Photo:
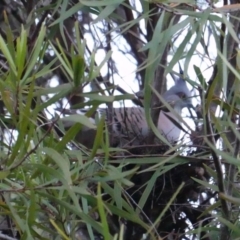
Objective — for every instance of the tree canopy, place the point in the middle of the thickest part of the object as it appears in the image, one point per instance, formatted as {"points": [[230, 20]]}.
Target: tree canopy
{"points": [[58, 57]]}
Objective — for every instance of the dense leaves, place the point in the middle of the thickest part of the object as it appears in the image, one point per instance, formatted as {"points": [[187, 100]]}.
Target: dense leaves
{"points": [[60, 56]]}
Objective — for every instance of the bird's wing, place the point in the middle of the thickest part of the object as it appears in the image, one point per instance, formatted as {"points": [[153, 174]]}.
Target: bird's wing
{"points": [[130, 121]]}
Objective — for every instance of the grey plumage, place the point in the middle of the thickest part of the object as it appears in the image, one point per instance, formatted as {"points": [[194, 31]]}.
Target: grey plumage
{"points": [[129, 127]]}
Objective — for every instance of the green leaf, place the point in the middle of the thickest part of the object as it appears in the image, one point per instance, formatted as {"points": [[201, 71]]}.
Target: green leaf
{"points": [[65, 64], [100, 98], [4, 174], [93, 3], [78, 118], [66, 14], [61, 162], [103, 217], [108, 10], [21, 52], [34, 57], [59, 230], [99, 137], [7, 54], [78, 69]]}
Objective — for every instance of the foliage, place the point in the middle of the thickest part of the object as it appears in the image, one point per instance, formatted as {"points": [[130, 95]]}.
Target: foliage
{"points": [[53, 187]]}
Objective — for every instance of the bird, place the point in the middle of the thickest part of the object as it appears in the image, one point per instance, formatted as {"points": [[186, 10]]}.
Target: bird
{"points": [[129, 127], [179, 97]]}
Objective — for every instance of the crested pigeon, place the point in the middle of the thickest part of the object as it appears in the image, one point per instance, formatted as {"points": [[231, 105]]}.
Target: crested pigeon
{"points": [[129, 126]]}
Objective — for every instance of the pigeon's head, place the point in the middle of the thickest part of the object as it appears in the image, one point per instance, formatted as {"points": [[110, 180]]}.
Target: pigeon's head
{"points": [[179, 96]]}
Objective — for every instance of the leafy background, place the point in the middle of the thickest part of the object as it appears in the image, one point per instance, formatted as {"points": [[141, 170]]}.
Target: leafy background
{"points": [[56, 55]]}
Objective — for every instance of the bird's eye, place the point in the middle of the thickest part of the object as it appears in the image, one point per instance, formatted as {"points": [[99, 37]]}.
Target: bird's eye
{"points": [[181, 95]]}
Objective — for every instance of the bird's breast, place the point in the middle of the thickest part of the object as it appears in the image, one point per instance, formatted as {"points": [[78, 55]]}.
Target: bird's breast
{"points": [[167, 127]]}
